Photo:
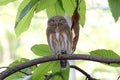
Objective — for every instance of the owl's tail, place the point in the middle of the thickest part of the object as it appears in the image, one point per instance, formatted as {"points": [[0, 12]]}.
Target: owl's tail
{"points": [[63, 64]]}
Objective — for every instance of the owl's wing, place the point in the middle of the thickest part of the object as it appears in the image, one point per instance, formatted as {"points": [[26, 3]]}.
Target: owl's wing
{"points": [[68, 32], [48, 32]]}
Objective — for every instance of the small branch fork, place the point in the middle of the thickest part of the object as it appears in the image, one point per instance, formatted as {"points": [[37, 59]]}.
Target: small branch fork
{"points": [[118, 78], [19, 67], [88, 77]]}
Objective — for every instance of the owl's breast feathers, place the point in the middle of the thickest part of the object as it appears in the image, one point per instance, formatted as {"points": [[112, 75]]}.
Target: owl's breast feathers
{"points": [[60, 40]]}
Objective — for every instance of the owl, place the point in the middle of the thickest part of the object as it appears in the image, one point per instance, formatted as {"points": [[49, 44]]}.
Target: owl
{"points": [[59, 37]]}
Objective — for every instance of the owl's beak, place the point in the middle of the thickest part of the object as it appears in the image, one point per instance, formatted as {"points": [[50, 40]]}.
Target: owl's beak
{"points": [[57, 24], [57, 29]]}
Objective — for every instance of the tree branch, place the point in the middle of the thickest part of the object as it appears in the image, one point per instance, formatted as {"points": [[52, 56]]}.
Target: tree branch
{"points": [[19, 71], [18, 67], [83, 72]]}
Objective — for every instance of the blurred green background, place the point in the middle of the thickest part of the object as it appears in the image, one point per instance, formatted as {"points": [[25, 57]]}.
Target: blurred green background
{"points": [[100, 32]]}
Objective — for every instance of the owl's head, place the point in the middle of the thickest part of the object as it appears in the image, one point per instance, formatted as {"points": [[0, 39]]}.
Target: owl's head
{"points": [[57, 21]]}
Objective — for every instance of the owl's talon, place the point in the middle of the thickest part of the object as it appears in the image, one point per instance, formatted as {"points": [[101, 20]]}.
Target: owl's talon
{"points": [[58, 55], [63, 52]]}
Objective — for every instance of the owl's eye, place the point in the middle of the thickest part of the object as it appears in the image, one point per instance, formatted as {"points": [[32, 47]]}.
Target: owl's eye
{"points": [[60, 20], [52, 21]]}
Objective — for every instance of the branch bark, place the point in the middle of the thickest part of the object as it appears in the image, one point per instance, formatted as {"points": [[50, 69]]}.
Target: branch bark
{"points": [[88, 77], [18, 67]]}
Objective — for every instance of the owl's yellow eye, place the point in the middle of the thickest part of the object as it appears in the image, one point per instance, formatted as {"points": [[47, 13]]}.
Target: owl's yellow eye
{"points": [[60, 20], [52, 21]]}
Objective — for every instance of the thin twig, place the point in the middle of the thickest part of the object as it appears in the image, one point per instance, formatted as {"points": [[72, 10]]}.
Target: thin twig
{"points": [[77, 4], [47, 77], [83, 72], [79, 69], [21, 66], [118, 78]]}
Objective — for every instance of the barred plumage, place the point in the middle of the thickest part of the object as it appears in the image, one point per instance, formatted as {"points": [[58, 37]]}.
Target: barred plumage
{"points": [[59, 37]]}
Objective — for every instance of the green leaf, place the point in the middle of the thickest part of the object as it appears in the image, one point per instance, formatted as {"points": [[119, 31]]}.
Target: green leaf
{"points": [[82, 12], [41, 50], [18, 62], [17, 74], [115, 8], [65, 73], [69, 6], [24, 16], [21, 8], [44, 4], [24, 8], [4, 2], [61, 74], [107, 54], [55, 9], [55, 70], [14, 76], [42, 70], [22, 60], [24, 11]]}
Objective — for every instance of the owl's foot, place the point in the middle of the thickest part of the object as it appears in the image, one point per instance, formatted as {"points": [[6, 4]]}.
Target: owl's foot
{"points": [[58, 55], [63, 52]]}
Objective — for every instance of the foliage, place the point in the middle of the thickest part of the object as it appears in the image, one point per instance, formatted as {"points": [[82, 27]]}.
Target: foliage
{"points": [[41, 50], [24, 16], [4, 2], [19, 74], [106, 53], [42, 70], [45, 68], [115, 8], [39, 72], [54, 7]]}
